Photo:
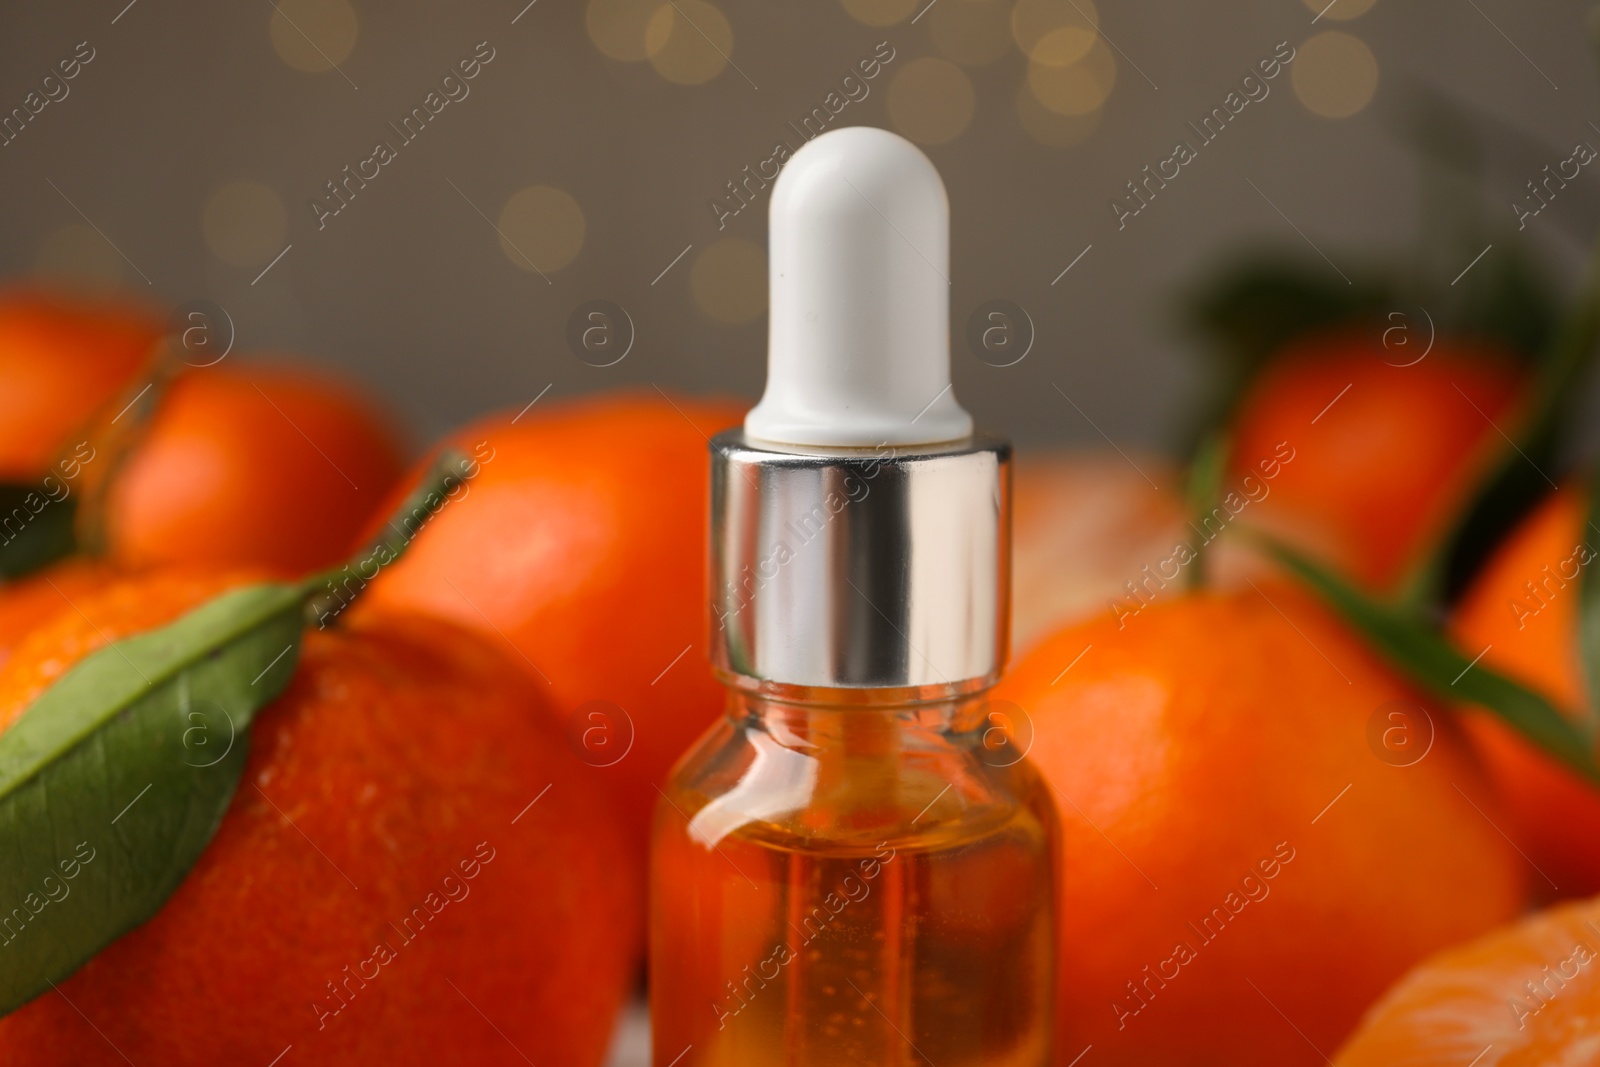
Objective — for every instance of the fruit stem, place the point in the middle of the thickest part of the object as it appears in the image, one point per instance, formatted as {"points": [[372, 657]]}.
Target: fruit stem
{"points": [[1415, 646], [330, 592], [1203, 491], [116, 444]]}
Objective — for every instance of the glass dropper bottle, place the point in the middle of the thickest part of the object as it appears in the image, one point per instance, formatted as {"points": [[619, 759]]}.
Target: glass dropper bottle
{"points": [[846, 869]]}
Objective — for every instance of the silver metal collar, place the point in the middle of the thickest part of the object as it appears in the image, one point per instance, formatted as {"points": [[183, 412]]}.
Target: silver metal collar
{"points": [[860, 568]]}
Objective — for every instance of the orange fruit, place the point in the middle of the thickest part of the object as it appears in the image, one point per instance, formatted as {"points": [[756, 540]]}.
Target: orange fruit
{"points": [[26, 601], [580, 548], [1083, 523], [1383, 454], [104, 608], [1521, 615], [243, 463], [1245, 868], [1098, 533], [410, 872], [1523, 996], [61, 360], [239, 465]]}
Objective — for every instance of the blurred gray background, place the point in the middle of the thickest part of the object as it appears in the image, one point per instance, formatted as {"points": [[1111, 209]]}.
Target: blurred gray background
{"points": [[186, 156]]}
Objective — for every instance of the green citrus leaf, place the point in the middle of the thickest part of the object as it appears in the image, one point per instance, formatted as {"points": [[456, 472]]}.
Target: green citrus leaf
{"points": [[1420, 652], [1589, 611], [1523, 470], [1253, 307], [35, 529], [116, 777]]}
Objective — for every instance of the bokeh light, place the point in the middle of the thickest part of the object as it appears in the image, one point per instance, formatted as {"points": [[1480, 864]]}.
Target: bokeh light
{"points": [[1335, 74], [245, 224], [313, 35], [543, 224], [1076, 88], [1033, 20], [729, 281], [931, 100], [879, 12], [1063, 46], [689, 41], [618, 27], [78, 258], [1340, 9], [1050, 128], [971, 32]]}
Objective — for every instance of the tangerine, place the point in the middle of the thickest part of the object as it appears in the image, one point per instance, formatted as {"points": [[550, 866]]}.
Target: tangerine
{"points": [[409, 873], [1246, 868], [1082, 525], [1523, 996], [580, 547], [1521, 616], [25, 601], [1110, 533], [271, 465], [62, 360], [1384, 454]]}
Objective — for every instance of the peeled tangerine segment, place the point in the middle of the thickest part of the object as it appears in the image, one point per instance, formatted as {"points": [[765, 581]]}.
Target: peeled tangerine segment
{"points": [[1531, 990]]}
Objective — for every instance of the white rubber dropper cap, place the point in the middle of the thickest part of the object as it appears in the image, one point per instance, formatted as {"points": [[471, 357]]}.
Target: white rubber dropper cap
{"points": [[858, 352]]}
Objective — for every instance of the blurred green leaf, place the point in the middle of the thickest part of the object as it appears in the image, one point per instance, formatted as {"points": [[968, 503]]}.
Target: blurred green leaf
{"points": [[1504, 299], [1261, 302], [1525, 468], [1588, 635], [35, 529]]}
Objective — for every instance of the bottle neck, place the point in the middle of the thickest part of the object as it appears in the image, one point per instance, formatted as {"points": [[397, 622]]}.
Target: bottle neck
{"points": [[819, 713], [865, 764]]}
